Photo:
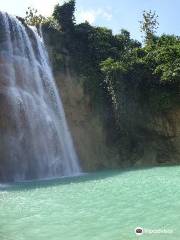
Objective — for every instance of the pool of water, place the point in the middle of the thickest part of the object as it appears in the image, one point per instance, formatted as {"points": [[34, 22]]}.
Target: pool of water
{"points": [[101, 206]]}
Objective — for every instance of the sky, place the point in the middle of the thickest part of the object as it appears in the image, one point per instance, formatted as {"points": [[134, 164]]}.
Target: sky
{"points": [[113, 14]]}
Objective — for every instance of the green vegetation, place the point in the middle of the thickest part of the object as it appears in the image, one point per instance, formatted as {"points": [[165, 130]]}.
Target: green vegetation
{"points": [[33, 18], [65, 15], [106, 60], [149, 25]]}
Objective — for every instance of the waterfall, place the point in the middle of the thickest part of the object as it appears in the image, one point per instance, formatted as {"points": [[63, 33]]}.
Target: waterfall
{"points": [[35, 141]]}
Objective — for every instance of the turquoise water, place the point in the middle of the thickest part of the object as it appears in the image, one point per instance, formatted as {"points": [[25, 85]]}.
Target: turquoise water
{"points": [[102, 206]]}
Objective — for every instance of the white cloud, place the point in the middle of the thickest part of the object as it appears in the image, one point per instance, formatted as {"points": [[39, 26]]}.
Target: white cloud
{"points": [[91, 15], [83, 16], [106, 14], [44, 7]]}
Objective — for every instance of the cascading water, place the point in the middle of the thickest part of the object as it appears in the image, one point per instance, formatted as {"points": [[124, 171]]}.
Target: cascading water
{"points": [[35, 141]]}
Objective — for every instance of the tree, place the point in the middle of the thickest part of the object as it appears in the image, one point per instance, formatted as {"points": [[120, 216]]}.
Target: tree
{"points": [[33, 18], [149, 25], [125, 42], [64, 15], [166, 58]]}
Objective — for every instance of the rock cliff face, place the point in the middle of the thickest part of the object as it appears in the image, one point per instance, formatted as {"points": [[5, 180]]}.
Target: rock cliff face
{"points": [[86, 127], [155, 140], [161, 140], [167, 129]]}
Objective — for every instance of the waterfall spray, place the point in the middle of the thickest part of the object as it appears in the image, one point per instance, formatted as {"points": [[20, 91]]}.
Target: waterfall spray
{"points": [[37, 142]]}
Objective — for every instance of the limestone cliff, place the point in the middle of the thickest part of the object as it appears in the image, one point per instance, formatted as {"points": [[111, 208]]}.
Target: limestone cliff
{"points": [[86, 127], [155, 140]]}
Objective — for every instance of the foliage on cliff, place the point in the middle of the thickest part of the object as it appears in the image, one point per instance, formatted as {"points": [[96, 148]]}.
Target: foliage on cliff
{"points": [[153, 70], [65, 15], [32, 17], [106, 60]]}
